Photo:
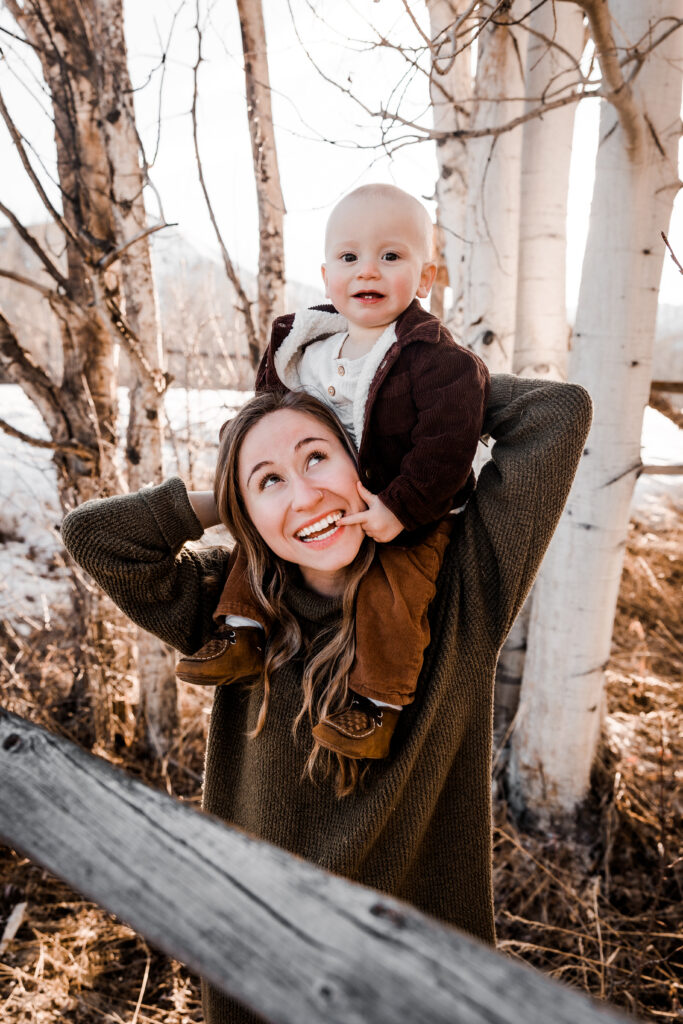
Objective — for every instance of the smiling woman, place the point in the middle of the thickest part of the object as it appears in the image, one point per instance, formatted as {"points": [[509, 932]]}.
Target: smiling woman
{"points": [[296, 498], [419, 825]]}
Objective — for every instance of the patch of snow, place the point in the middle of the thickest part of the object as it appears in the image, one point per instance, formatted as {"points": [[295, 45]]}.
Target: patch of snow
{"points": [[34, 582]]}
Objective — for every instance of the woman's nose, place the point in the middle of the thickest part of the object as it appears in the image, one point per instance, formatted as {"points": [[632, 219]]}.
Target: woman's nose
{"points": [[304, 494]]}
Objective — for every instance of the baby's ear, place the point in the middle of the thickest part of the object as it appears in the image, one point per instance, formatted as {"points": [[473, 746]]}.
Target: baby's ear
{"points": [[426, 280], [323, 271]]}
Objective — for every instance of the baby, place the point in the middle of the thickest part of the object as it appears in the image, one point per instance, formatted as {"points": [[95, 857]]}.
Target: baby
{"points": [[413, 402]]}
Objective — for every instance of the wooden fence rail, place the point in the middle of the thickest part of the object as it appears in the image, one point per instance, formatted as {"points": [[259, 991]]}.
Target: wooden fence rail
{"points": [[294, 943]]}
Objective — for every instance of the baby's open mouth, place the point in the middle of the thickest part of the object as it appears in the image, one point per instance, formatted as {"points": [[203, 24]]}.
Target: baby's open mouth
{"points": [[322, 528], [368, 295]]}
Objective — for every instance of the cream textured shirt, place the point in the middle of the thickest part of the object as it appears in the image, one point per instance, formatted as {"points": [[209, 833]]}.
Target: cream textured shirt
{"points": [[331, 378]]}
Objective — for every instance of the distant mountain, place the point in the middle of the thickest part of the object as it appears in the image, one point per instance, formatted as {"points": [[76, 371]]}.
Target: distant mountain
{"points": [[204, 342]]}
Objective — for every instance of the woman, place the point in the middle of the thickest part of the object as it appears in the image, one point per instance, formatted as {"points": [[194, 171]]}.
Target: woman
{"points": [[419, 825]]}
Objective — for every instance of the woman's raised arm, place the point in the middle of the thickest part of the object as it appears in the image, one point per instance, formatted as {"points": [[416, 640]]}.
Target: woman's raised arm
{"points": [[538, 429], [133, 547]]}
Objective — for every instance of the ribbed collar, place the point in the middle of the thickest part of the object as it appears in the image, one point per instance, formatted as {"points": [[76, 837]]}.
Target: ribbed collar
{"points": [[311, 606]]}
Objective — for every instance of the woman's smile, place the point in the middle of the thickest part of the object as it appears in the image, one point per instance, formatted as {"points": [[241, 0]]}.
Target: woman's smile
{"points": [[321, 529], [298, 480]]}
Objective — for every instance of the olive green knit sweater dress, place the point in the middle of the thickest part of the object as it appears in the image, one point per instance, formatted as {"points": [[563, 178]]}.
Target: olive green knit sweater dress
{"points": [[420, 826]]}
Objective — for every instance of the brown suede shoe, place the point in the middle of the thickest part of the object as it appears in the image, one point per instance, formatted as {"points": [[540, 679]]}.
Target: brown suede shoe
{"points": [[232, 654], [361, 730]]}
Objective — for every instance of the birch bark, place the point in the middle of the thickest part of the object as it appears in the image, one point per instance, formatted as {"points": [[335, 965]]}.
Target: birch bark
{"points": [[493, 175], [561, 708], [271, 207], [541, 329], [450, 88], [144, 443]]}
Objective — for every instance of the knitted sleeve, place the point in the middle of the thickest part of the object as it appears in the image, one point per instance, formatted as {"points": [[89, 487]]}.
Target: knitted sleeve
{"points": [[133, 547], [539, 429]]}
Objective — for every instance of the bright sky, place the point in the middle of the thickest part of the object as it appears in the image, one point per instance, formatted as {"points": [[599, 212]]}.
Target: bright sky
{"points": [[307, 111]]}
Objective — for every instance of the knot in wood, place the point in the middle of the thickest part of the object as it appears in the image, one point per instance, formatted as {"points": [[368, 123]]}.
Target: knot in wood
{"points": [[13, 742], [389, 913]]}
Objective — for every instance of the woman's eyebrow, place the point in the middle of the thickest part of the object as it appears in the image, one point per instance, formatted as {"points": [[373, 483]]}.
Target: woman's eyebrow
{"points": [[299, 444], [259, 465], [307, 440]]}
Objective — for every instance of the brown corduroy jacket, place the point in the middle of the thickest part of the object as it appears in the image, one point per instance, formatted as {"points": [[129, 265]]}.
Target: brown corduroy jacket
{"points": [[420, 825], [423, 412]]}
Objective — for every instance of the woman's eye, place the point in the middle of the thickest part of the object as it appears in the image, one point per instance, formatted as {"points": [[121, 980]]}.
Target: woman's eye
{"points": [[348, 257], [315, 457], [268, 481]]}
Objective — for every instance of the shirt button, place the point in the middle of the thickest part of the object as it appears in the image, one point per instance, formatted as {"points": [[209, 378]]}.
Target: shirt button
{"points": [[331, 392], [341, 371]]}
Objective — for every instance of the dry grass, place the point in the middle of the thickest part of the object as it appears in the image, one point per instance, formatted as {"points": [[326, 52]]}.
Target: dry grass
{"points": [[602, 909], [599, 910]]}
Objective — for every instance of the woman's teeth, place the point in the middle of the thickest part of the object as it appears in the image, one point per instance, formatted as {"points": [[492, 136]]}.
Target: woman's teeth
{"points": [[313, 532]]}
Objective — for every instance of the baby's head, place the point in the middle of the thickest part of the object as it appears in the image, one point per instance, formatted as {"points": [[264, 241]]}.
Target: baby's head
{"points": [[378, 255]]}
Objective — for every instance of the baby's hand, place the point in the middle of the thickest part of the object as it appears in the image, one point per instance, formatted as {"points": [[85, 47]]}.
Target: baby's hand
{"points": [[377, 521]]}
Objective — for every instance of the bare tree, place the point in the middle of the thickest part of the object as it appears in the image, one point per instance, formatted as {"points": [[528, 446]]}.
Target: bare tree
{"points": [[104, 296], [271, 207], [561, 708]]}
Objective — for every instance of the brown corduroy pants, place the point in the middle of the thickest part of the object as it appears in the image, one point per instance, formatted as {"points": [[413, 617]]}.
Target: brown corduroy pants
{"points": [[392, 627]]}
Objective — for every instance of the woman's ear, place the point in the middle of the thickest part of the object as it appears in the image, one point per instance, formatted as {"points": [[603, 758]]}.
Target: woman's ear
{"points": [[427, 277]]}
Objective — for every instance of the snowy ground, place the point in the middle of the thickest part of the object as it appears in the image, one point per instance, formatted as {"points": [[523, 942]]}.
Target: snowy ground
{"points": [[34, 583]]}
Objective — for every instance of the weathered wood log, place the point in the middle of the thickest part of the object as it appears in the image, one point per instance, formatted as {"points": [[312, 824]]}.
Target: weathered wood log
{"points": [[296, 944]]}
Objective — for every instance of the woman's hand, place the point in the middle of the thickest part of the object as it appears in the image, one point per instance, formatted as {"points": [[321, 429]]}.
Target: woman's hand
{"points": [[204, 507], [377, 521]]}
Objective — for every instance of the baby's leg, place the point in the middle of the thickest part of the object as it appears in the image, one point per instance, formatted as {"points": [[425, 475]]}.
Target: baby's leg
{"points": [[235, 652], [392, 626], [237, 599], [392, 634]]}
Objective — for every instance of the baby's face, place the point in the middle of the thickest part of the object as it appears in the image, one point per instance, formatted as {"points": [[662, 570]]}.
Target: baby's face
{"points": [[377, 260]]}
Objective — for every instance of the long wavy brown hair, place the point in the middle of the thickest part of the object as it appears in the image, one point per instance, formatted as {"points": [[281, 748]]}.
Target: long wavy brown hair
{"points": [[328, 661]]}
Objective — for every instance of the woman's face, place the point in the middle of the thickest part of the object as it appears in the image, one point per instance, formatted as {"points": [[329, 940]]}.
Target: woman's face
{"points": [[297, 479]]}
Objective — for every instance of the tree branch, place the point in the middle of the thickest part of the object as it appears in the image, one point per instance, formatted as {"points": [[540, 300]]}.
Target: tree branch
{"points": [[112, 257], [20, 368], [673, 254], [68, 447], [18, 141], [618, 91], [47, 293], [35, 246]]}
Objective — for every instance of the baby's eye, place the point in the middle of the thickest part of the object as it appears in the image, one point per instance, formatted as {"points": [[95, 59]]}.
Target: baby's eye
{"points": [[391, 256], [348, 257]]}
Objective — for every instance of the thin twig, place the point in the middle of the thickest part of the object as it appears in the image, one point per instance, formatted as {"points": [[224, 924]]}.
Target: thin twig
{"points": [[673, 254]]}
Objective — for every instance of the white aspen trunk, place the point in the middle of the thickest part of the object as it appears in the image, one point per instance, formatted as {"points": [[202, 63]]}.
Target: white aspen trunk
{"points": [[561, 708], [542, 331], [492, 227], [271, 206], [144, 447], [450, 90]]}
